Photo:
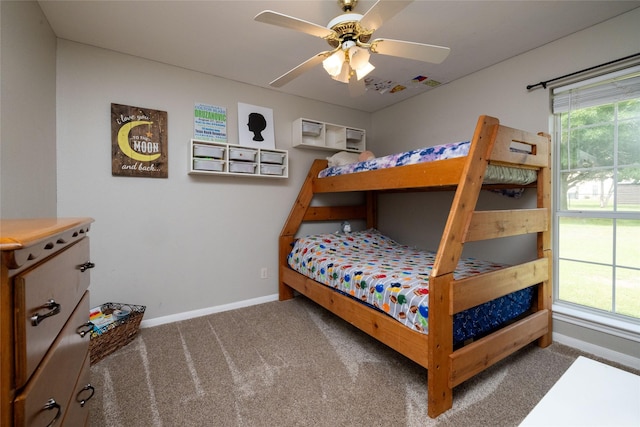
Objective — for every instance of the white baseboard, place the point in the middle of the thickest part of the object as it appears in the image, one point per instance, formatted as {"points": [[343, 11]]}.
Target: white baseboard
{"points": [[596, 350], [205, 311]]}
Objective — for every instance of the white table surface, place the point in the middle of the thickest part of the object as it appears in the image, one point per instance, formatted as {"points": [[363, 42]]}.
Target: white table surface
{"points": [[590, 393]]}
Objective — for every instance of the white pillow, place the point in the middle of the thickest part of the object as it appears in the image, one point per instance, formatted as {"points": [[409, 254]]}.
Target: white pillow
{"points": [[342, 158]]}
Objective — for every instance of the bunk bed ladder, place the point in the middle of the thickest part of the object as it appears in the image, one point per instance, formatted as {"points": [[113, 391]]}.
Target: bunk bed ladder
{"points": [[491, 144], [440, 393]]}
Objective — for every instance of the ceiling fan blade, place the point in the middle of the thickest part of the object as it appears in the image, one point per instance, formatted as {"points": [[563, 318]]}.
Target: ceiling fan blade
{"points": [[418, 51], [299, 70], [286, 21], [356, 87], [380, 12]]}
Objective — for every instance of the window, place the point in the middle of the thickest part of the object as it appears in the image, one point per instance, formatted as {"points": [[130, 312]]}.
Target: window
{"points": [[597, 195]]}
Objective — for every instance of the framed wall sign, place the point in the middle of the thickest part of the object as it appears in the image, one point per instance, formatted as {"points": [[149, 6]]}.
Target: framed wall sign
{"points": [[139, 143], [255, 126], [210, 122]]}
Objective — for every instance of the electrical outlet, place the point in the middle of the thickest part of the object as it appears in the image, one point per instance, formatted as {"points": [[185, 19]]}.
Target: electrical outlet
{"points": [[263, 273]]}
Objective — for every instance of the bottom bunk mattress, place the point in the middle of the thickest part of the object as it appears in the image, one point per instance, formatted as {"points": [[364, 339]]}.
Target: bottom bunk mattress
{"points": [[394, 278]]}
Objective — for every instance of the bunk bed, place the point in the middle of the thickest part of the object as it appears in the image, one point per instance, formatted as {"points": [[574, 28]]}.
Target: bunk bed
{"points": [[448, 364]]}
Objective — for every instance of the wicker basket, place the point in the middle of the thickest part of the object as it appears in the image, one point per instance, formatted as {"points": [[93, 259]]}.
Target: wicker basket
{"points": [[109, 338]]}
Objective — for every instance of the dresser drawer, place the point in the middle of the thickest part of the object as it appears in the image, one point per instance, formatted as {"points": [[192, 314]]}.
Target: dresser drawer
{"points": [[78, 411], [45, 297], [55, 379]]}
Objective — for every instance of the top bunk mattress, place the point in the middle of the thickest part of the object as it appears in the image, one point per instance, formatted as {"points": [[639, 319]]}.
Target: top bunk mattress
{"points": [[394, 278], [494, 175]]}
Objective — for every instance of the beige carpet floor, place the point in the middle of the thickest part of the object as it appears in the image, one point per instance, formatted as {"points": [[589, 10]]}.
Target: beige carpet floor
{"points": [[294, 364]]}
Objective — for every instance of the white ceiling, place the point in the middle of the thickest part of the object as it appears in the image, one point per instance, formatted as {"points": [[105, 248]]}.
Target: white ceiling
{"points": [[222, 39]]}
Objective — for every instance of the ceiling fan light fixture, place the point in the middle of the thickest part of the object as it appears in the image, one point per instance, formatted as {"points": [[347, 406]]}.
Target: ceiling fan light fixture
{"points": [[358, 57], [345, 73], [359, 60], [333, 63]]}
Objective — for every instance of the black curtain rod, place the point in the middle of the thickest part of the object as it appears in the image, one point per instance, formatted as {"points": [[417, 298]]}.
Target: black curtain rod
{"points": [[545, 83]]}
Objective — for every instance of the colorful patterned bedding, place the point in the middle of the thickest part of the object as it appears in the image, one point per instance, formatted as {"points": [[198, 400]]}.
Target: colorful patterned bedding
{"points": [[494, 174], [395, 279]]}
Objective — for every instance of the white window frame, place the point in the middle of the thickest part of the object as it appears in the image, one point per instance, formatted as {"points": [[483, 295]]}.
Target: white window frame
{"points": [[610, 323]]}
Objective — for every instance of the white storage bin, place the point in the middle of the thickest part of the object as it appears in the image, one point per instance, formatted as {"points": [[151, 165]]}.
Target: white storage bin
{"points": [[242, 154], [354, 135], [208, 151], [271, 169], [208, 165], [271, 157], [242, 167], [311, 128]]}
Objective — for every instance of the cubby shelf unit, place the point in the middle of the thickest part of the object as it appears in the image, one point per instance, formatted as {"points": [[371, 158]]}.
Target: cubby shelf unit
{"points": [[308, 133], [217, 158]]}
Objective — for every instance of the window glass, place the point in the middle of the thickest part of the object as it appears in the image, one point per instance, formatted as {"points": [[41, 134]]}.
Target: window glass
{"points": [[586, 239], [628, 292], [628, 190], [586, 284], [597, 194], [628, 244]]}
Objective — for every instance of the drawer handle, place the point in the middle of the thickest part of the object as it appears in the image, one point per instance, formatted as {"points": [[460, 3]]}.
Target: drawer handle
{"points": [[52, 404], [88, 387], [83, 332], [51, 304], [87, 265]]}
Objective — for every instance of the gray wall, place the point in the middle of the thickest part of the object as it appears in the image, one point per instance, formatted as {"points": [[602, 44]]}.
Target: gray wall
{"points": [[186, 242], [28, 119]]}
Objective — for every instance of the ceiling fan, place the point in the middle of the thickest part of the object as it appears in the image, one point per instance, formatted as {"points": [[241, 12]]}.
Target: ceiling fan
{"points": [[349, 36]]}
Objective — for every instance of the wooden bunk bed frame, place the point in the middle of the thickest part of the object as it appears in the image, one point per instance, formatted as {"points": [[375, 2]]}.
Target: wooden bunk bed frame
{"points": [[446, 367]]}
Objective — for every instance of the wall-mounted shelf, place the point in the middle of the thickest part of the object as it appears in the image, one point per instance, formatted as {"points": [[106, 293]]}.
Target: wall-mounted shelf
{"points": [[216, 158], [310, 133]]}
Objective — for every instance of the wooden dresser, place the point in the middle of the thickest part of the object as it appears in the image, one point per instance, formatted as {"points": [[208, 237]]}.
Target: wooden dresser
{"points": [[44, 315]]}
